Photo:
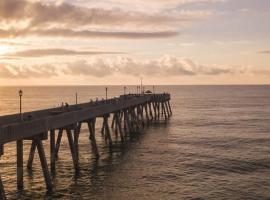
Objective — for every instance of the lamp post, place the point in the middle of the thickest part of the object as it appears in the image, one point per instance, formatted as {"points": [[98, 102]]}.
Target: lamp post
{"points": [[19, 149], [106, 92], [153, 89], [76, 98], [125, 90], [141, 85], [20, 94]]}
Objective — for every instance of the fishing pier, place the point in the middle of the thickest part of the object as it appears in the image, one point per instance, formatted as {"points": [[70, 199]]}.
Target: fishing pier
{"points": [[122, 116]]}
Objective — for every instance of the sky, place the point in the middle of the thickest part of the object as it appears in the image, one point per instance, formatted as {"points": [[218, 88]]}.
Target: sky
{"points": [[118, 42]]}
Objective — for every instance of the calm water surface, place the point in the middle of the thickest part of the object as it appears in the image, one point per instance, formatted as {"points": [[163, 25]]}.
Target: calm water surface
{"points": [[216, 146]]}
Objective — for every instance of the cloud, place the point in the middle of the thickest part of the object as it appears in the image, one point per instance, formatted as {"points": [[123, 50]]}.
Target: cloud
{"points": [[10, 43], [264, 52], [38, 14], [9, 71], [21, 18], [166, 66], [55, 52], [97, 68], [146, 3], [170, 66], [87, 34], [174, 1]]}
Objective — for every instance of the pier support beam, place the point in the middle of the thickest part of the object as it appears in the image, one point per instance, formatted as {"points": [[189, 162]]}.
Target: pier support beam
{"points": [[2, 190], [118, 126], [164, 113], [113, 121], [127, 125], [106, 129], [44, 164], [158, 110], [146, 114], [58, 142], [154, 104], [136, 120], [92, 130], [31, 156], [19, 164], [77, 130], [170, 107], [167, 109], [52, 150], [72, 141], [150, 111], [114, 125], [140, 116], [37, 143], [72, 150]]}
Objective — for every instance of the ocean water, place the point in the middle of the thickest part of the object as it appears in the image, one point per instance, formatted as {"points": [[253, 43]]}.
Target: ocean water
{"points": [[215, 146]]}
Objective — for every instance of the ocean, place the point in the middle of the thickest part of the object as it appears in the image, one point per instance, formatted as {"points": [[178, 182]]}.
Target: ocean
{"points": [[215, 146]]}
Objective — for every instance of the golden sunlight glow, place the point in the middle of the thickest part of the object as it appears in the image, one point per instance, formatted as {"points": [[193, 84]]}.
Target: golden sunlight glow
{"points": [[4, 49]]}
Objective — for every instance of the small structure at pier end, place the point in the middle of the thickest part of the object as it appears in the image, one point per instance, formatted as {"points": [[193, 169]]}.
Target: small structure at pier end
{"points": [[130, 114]]}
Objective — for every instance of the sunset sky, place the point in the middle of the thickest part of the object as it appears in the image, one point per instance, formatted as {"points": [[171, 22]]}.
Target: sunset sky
{"points": [[88, 42]]}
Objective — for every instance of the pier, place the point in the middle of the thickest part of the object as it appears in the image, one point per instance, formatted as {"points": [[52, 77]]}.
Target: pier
{"points": [[122, 116]]}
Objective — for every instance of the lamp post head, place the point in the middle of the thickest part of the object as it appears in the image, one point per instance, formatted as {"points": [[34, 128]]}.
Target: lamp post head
{"points": [[20, 93]]}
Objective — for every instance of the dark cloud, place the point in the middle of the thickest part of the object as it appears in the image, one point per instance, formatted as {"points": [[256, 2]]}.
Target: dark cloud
{"points": [[103, 34], [56, 52], [23, 18], [86, 34], [264, 52], [66, 14]]}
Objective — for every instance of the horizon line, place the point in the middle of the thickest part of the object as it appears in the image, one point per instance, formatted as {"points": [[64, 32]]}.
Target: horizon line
{"points": [[85, 85]]}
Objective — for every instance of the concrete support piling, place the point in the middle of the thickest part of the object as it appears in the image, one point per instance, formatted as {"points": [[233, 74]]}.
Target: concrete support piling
{"points": [[52, 151], [72, 150], [106, 128], [58, 142], [77, 130], [119, 126], [2, 190], [44, 164], [19, 164], [31, 156], [91, 126]]}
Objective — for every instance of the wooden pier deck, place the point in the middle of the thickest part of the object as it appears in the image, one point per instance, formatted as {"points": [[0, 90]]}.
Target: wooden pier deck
{"points": [[130, 114]]}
